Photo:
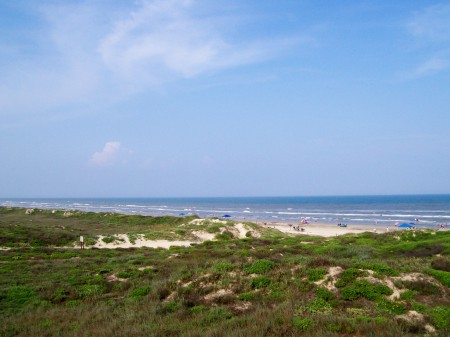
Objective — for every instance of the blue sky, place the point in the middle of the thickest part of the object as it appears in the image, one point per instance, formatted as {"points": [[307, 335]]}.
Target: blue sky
{"points": [[224, 98]]}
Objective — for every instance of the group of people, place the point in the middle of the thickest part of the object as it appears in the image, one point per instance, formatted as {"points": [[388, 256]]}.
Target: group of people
{"points": [[342, 225], [297, 228]]}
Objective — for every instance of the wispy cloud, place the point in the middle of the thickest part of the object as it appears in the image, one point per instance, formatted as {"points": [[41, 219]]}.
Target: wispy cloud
{"points": [[107, 156], [432, 24], [94, 51], [431, 30], [432, 66]]}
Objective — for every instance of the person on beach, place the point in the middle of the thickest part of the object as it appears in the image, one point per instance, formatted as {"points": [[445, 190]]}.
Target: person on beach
{"points": [[81, 242]]}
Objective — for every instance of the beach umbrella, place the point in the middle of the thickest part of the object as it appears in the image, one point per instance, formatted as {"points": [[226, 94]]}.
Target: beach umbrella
{"points": [[406, 225], [226, 216]]}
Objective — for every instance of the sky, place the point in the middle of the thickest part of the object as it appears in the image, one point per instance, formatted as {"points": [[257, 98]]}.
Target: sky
{"points": [[203, 98]]}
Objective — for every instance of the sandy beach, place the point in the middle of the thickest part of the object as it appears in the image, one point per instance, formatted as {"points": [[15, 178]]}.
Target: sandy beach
{"points": [[326, 230]]}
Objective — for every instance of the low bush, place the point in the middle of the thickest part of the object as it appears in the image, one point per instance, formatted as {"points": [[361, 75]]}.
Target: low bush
{"points": [[91, 290], [260, 267], [441, 317], [378, 267], [441, 263], [318, 306], [395, 308], [226, 235], [198, 309], [167, 308], [260, 282], [302, 324], [140, 292], [305, 285], [366, 290], [325, 294], [17, 297], [424, 250], [316, 274], [348, 276], [422, 287], [216, 315], [442, 276], [223, 267], [247, 296]]}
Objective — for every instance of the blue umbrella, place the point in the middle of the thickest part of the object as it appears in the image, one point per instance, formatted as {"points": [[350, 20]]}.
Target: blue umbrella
{"points": [[406, 225], [226, 216]]}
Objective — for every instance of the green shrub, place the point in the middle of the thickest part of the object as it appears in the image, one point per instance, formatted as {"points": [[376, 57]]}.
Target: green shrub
{"points": [[316, 274], [325, 294], [395, 308], [304, 285], [303, 324], [348, 276], [422, 287], [260, 267], [197, 309], [73, 303], [141, 291], [108, 239], [223, 267], [260, 282], [442, 276], [167, 308], [441, 317], [246, 296], [408, 295], [319, 261], [364, 289], [318, 306], [90, 290], [378, 267], [217, 315], [19, 296], [226, 235]]}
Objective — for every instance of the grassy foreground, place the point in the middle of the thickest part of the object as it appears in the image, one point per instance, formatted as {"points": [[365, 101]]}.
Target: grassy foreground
{"points": [[270, 284]]}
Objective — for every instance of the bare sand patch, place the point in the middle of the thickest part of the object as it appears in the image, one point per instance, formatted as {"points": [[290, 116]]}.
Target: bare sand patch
{"points": [[114, 278], [242, 230], [204, 236], [124, 242], [330, 279], [218, 294]]}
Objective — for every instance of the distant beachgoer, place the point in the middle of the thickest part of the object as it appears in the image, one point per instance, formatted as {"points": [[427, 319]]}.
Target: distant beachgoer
{"points": [[374, 230], [81, 242]]}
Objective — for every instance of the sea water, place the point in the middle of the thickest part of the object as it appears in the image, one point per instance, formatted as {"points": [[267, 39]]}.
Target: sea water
{"points": [[423, 210]]}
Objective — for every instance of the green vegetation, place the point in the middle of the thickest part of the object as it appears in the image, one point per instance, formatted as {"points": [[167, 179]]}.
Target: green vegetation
{"points": [[274, 285]]}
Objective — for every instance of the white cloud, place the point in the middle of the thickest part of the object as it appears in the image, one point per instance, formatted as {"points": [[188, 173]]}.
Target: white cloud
{"points": [[107, 156], [165, 39], [432, 24], [96, 52], [433, 65], [431, 31]]}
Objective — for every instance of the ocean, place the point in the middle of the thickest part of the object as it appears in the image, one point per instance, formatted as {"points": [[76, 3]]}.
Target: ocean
{"points": [[423, 210]]}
